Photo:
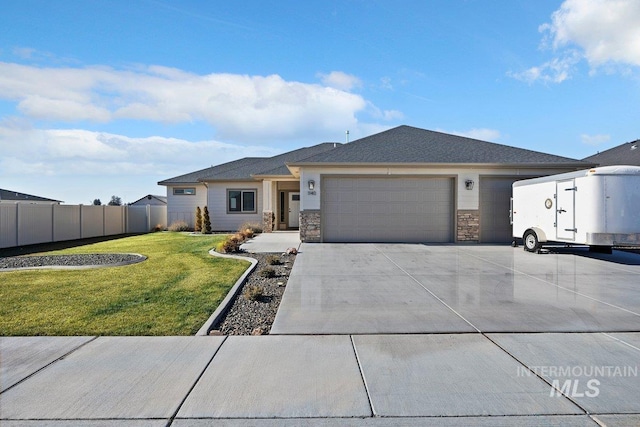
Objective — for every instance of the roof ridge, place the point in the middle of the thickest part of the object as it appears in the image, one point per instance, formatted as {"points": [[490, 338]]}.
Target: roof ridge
{"points": [[256, 159]]}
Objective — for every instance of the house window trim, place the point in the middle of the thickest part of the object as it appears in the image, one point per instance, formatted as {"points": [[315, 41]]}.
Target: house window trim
{"points": [[183, 193], [242, 191]]}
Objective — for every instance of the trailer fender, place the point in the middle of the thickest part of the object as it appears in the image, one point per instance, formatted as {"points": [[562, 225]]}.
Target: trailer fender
{"points": [[542, 237]]}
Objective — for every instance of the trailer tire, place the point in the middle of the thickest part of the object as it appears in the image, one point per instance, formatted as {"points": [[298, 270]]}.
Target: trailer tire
{"points": [[531, 242], [601, 249]]}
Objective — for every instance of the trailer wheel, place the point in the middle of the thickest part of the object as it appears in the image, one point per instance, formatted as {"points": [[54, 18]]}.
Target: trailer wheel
{"points": [[531, 242]]}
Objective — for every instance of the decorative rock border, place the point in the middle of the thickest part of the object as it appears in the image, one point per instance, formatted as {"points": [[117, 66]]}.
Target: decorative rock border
{"points": [[228, 300], [68, 262]]}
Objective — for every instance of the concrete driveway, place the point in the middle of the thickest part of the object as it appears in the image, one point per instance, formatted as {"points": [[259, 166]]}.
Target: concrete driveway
{"points": [[369, 335], [403, 288]]}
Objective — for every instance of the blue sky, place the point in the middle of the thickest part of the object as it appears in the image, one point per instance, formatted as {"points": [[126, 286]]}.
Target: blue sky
{"points": [[107, 97]]}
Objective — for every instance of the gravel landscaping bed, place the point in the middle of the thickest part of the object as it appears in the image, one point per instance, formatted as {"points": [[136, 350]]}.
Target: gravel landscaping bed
{"points": [[80, 260], [247, 317]]}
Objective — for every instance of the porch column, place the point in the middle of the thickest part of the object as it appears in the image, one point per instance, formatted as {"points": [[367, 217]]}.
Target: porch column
{"points": [[268, 202]]}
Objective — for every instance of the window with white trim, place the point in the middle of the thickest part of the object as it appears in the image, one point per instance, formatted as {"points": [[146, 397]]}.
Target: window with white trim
{"points": [[241, 201], [189, 191]]}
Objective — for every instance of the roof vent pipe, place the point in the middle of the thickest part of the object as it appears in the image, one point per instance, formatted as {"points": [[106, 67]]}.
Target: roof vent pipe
{"points": [[347, 136]]}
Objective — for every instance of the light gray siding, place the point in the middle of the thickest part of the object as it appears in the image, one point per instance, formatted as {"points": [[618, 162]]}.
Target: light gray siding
{"points": [[387, 209], [183, 207], [221, 220]]}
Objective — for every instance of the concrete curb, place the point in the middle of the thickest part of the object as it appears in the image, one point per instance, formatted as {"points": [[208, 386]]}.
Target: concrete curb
{"points": [[226, 302]]}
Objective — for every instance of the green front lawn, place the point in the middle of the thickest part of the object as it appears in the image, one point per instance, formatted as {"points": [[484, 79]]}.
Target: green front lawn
{"points": [[173, 292]]}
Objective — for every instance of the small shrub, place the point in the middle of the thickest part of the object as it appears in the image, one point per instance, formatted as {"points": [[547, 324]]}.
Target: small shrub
{"points": [[158, 227], [255, 227], [267, 272], [232, 244], [273, 260], [206, 221], [247, 233], [254, 293], [198, 227], [179, 226]]}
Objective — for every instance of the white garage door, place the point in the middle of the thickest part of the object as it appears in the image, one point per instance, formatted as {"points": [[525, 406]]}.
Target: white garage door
{"points": [[381, 209], [495, 195]]}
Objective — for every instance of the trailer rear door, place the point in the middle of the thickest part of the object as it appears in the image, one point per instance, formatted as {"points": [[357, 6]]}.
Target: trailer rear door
{"points": [[565, 210]]}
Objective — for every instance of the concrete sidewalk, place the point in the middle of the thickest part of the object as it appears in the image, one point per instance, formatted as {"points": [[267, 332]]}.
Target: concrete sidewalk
{"points": [[277, 241], [368, 380]]}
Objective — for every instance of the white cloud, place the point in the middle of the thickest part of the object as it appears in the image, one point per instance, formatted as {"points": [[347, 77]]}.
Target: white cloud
{"points": [[81, 152], [78, 165], [482, 134], [594, 140], [604, 32], [555, 71], [340, 80], [239, 107]]}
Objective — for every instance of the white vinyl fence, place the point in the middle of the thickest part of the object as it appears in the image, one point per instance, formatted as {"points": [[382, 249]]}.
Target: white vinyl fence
{"points": [[28, 224]]}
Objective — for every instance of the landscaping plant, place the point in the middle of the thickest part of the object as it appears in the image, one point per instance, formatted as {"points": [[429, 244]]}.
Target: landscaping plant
{"points": [[198, 227], [206, 221]]}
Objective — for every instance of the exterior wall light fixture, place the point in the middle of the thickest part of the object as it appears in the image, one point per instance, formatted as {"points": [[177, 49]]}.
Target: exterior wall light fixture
{"points": [[468, 184], [311, 184]]}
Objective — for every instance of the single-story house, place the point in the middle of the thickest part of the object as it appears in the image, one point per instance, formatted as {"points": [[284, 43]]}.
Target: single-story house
{"points": [[402, 185], [624, 154], [8, 196], [150, 199]]}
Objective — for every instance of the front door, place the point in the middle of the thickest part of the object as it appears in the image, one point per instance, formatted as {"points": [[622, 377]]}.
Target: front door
{"points": [[294, 210], [565, 210]]}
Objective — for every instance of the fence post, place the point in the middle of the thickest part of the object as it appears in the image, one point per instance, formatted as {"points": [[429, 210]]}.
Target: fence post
{"points": [[17, 224], [53, 222]]}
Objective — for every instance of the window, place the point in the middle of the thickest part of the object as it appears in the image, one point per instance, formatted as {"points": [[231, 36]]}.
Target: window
{"points": [[184, 191], [241, 201]]}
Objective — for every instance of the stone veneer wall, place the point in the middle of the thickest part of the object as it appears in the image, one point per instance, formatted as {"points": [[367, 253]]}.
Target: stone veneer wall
{"points": [[310, 226], [267, 221], [468, 229]]}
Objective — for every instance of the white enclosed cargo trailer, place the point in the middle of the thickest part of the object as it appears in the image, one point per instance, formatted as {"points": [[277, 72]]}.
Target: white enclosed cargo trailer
{"points": [[599, 207]]}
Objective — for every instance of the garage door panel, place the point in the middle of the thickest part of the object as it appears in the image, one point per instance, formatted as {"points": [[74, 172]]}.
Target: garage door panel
{"points": [[495, 196], [380, 209]]}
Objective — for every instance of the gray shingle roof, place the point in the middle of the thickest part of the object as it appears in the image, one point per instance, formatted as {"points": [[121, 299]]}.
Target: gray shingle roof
{"points": [[406, 144], [16, 196], [244, 169], [197, 176], [624, 154]]}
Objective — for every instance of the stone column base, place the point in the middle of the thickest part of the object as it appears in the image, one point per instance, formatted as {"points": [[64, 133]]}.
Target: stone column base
{"points": [[310, 226], [267, 221], [468, 228]]}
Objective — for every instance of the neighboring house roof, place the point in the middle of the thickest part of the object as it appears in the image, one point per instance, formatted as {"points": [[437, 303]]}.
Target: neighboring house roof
{"points": [[624, 154], [406, 144], [22, 197], [247, 168], [162, 199]]}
